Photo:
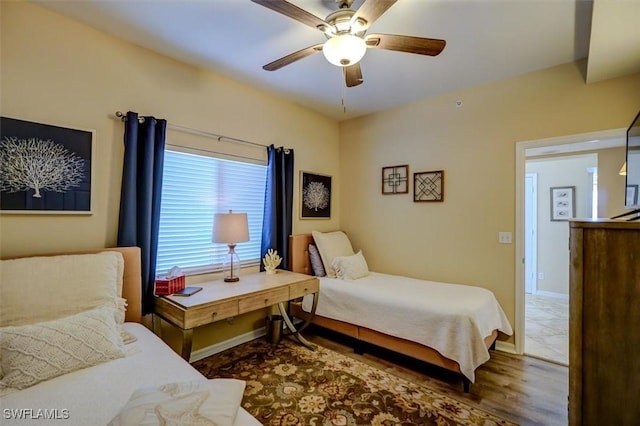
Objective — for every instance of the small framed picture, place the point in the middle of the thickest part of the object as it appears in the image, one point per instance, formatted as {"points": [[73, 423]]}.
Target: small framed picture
{"points": [[315, 196], [563, 203], [44, 168], [428, 186], [395, 179], [632, 195]]}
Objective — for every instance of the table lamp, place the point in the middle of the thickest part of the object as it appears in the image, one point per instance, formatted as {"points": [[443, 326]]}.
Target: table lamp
{"points": [[230, 228]]}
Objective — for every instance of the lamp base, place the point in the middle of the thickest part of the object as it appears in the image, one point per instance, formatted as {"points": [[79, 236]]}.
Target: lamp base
{"points": [[231, 279]]}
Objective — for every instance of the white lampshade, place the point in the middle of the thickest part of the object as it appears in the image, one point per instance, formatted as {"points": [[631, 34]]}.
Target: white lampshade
{"points": [[230, 228], [623, 169], [344, 49]]}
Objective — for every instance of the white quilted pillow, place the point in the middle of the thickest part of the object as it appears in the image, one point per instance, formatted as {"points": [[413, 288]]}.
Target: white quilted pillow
{"points": [[32, 353], [351, 267], [45, 288], [330, 245], [210, 402]]}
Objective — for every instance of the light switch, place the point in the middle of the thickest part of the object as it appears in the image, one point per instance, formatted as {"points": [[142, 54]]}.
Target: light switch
{"points": [[504, 237]]}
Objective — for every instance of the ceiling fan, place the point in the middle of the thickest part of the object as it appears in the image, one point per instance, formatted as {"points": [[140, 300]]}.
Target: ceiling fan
{"points": [[346, 42]]}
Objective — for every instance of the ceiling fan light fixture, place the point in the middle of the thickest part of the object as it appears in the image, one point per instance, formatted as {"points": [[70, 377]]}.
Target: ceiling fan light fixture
{"points": [[343, 50]]}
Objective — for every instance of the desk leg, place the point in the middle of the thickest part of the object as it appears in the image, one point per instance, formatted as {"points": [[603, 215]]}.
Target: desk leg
{"points": [[287, 320], [187, 340], [309, 318]]}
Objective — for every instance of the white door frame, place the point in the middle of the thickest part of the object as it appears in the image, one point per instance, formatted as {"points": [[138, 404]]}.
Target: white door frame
{"points": [[531, 236], [520, 159]]}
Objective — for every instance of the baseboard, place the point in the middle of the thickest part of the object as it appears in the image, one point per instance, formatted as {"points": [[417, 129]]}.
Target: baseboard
{"points": [[552, 294], [259, 332], [230, 343], [227, 344], [506, 347]]}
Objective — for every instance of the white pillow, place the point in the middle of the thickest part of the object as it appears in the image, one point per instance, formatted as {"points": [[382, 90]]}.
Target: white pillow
{"points": [[350, 267], [36, 352], [45, 288], [214, 401], [330, 245]]}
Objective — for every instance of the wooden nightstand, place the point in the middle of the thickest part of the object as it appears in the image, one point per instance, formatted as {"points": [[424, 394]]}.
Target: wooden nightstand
{"points": [[219, 300]]}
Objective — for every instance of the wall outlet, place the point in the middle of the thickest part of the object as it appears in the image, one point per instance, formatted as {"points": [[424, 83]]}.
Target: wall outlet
{"points": [[541, 275], [504, 237]]}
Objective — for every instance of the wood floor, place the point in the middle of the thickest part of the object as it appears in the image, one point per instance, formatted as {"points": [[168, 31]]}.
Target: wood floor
{"points": [[525, 390]]}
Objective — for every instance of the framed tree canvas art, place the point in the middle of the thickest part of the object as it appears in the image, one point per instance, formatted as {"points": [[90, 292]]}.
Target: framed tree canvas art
{"points": [[315, 197], [45, 168]]}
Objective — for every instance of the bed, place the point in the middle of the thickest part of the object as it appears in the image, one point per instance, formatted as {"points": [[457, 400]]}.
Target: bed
{"points": [[451, 326], [119, 391]]}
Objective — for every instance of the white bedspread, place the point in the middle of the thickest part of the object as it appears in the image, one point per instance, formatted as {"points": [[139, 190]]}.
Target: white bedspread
{"points": [[450, 318], [93, 396]]}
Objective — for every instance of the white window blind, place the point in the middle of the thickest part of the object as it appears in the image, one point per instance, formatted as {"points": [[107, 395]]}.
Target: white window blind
{"points": [[194, 188]]}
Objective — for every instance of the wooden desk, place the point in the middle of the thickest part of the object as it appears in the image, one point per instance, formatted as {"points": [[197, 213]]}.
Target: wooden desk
{"points": [[219, 300]]}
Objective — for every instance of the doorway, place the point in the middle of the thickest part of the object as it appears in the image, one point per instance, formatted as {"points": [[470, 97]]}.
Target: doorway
{"points": [[527, 271]]}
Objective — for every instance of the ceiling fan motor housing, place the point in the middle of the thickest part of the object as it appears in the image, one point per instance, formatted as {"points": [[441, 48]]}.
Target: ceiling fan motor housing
{"points": [[340, 20]]}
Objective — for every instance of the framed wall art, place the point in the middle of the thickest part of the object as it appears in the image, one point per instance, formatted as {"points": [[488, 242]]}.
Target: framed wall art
{"points": [[632, 195], [428, 186], [395, 179], [563, 203], [45, 169], [315, 196]]}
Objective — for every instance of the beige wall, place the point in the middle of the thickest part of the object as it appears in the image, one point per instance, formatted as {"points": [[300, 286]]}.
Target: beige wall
{"points": [[55, 70], [457, 240]]}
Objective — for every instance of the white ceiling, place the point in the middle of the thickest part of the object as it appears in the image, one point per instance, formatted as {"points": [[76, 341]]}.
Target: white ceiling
{"points": [[487, 40]]}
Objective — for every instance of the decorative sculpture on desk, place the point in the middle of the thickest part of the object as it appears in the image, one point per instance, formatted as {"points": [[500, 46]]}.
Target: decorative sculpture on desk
{"points": [[271, 261]]}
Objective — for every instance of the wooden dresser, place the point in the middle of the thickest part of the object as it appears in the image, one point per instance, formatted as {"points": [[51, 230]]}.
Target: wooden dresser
{"points": [[604, 323]]}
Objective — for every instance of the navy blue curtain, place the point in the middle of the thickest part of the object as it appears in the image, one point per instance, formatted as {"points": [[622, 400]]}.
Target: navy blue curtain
{"points": [[144, 142], [278, 204]]}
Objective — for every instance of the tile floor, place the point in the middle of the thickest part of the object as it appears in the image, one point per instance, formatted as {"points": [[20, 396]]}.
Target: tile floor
{"points": [[547, 328]]}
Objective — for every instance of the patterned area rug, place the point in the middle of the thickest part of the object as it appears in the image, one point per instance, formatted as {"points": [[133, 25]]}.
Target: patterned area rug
{"points": [[292, 385]]}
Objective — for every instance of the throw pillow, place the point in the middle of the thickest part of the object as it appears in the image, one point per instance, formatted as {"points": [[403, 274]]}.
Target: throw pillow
{"points": [[316, 261], [36, 352], [210, 402], [44, 288], [351, 267], [330, 245]]}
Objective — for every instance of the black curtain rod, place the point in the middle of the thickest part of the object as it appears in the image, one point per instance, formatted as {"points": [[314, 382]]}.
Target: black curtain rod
{"points": [[170, 126]]}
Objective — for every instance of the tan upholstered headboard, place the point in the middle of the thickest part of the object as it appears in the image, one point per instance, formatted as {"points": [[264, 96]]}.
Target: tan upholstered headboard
{"points": [[131, 281], [299, 253]]}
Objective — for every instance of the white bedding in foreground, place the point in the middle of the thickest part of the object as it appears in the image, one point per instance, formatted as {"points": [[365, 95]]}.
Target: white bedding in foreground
{"points": [[93, 396], [450, 318]]}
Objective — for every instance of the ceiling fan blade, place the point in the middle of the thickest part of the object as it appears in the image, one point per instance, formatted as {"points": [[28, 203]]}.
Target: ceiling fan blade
{"points": [[408, 44], [295, 56], [370, 11], [294, 12], [353, 75]]}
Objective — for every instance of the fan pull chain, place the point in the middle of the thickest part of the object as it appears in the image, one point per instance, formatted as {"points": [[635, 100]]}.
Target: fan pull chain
{"points": [[344, 91]]}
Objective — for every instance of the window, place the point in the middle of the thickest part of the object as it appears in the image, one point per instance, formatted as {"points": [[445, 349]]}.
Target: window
{"points": [[194, 188]]}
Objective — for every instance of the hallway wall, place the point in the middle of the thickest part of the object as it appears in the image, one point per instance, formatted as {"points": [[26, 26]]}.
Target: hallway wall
{"points": [[553, 237]]}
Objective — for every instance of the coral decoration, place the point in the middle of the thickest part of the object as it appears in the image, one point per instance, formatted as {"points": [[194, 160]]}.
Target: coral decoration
{"points": [[271, 261]]}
